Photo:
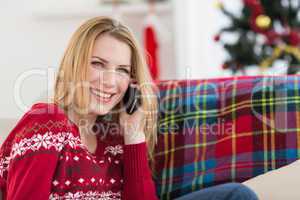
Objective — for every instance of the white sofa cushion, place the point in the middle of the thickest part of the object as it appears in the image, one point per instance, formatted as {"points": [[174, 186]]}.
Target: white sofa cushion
{"points": [[279, 184]]}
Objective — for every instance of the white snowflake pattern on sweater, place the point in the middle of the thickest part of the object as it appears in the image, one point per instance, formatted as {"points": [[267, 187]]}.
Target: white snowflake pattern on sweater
{"points": [[114, 150], [88, 195], [40, 141]]}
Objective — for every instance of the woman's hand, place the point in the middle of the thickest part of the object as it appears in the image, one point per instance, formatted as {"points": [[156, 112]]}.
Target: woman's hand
{"points": [[132, 125]]}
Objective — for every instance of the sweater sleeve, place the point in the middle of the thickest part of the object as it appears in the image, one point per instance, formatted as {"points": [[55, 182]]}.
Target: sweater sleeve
{"points": [[31, 177], [138, 183], [36, 143]]}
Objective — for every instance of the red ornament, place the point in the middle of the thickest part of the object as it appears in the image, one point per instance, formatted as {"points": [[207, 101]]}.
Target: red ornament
{"points": [[255, 7], [217, 37], [256, 10], [294, 38]]}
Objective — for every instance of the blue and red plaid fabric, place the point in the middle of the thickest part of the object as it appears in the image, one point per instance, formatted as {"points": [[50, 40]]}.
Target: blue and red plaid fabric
{"points": [[224, 130]]}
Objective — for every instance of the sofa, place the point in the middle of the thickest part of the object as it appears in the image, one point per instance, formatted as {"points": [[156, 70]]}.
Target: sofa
{"points": [[237, 129]]}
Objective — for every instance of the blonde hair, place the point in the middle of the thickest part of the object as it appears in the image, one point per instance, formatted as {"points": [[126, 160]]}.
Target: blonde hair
{"points": [[74, 66]]}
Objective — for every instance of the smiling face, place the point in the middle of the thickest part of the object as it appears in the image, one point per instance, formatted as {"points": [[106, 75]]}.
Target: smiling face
{"points": [[108, 73]]}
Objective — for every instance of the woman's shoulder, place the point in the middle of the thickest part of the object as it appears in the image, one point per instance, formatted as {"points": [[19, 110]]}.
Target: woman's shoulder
{"points": [[41, 119], [43, 128], [45, 123], [42, 111]]}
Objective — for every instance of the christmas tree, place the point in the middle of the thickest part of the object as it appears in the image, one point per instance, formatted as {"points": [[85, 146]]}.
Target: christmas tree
{"points": [[267, 31]]}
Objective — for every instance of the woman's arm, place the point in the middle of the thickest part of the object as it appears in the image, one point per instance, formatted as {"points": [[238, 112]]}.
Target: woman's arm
{"points": [[138, 183], [31, 176], [31, 152]]}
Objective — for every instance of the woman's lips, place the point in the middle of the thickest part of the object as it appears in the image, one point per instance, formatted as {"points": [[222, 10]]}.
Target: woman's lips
{"points": [[102, 96]]}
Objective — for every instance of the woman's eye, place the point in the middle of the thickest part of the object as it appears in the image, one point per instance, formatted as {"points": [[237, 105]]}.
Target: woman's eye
{"points": [[124, 70], [96, 63]]}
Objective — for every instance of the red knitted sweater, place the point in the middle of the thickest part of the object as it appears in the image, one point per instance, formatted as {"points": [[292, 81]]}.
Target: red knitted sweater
{"points": [[43, 158]]}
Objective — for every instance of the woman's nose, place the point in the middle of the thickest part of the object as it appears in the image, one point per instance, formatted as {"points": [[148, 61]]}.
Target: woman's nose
{"points": [[109, 79]]}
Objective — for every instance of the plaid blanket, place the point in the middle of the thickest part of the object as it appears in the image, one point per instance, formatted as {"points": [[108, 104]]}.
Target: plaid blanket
{"points": [[224, 130]]}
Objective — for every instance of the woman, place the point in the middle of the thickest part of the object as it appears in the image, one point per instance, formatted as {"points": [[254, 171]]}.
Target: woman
{"points": [[85, 145], [56, 152]]}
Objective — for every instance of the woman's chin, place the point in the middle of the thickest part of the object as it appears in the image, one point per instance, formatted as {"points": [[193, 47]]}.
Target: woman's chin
{"points": [[99, 111]]}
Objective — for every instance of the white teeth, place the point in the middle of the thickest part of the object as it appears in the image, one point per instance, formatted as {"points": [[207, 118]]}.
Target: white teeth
{"points": [[101, 94]]}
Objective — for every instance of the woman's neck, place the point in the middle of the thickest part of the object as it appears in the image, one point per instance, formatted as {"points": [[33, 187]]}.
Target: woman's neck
{"points": [[81, 120]]}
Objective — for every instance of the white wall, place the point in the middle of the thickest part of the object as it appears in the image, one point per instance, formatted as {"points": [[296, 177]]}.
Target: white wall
{"points": [[33, 38], [196, 23], [27, 43]]}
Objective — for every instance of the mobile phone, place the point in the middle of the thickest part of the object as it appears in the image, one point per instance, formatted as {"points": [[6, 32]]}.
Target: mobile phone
{"points": [[132, 99]]}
